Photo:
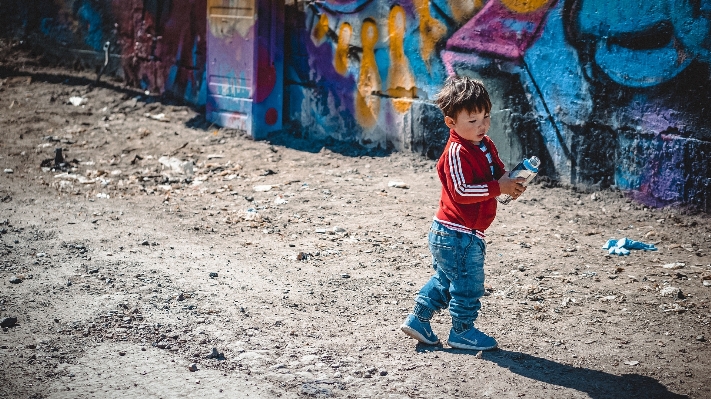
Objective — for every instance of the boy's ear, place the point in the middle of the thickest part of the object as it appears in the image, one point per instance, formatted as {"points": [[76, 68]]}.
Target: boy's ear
{"points": [[449, 121]]}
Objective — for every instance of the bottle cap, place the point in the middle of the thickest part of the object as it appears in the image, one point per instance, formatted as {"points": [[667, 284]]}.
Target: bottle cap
{"points": [[534, 161]]}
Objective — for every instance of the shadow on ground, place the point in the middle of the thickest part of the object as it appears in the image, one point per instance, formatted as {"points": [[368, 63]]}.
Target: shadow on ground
{"points": [[313, 145], [596, 384]]}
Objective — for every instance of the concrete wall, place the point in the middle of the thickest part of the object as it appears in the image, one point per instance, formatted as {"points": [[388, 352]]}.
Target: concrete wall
{"points": [[606, 92], [612, 92], [157, 45]]}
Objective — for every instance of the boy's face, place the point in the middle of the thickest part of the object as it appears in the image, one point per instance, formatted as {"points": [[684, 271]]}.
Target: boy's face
{"points": [[471, 126]]}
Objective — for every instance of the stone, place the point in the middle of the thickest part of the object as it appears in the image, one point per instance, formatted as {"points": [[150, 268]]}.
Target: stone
{"points": [[673, 292], [15, 280], [674, 266], [213, 274], [8, 322], [311, 389], [215, 355], [398, 184], [8, 171], [383, 372], [193, 367], [632, 363], [700, 338], [345, 275], [262, 188]]}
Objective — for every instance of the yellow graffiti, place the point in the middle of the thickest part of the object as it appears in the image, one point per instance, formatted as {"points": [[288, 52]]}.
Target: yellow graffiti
{"points": [[431, 30], [401, 83], [225, 17], [318, 35], [367, 105], [463, 10], [340, 59], [524, 6]]}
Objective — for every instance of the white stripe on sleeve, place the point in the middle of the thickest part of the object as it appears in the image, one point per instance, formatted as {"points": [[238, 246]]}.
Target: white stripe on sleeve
{"points": [[457, 175]]}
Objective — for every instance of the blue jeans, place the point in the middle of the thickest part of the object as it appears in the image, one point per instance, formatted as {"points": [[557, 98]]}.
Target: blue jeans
{"points": [[458, 282]]}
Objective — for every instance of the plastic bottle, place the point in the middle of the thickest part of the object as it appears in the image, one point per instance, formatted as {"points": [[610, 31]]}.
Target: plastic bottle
{"points": [[528, 169]]}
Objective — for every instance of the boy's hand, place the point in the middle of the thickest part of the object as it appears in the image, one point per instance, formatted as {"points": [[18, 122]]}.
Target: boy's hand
{"points": [[512, 187]]}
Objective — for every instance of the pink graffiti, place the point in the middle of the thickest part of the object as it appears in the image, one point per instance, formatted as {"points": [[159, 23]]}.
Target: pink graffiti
{"points": [[499, 31], [266, 75]]}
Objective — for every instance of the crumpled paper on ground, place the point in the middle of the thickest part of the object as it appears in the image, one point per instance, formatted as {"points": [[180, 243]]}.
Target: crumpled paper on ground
{"points": [[623, 245]]}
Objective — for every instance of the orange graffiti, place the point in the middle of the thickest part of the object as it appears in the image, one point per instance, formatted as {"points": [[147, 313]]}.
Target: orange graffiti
{"points": [[463, 10], [367, 105], [340, 59], [431, 30], [524, 6], [318, 35], [401, 83]]}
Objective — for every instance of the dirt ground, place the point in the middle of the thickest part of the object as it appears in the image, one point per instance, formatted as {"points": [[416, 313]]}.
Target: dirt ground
{"points": [[163, 237]]}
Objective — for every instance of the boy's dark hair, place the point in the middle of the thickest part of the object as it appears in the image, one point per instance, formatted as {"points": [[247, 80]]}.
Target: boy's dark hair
{"points": [[463, 93]]}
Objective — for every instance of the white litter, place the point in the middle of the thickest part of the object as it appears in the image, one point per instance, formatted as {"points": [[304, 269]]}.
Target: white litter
{"points": [[77, 101], [177, 165]]}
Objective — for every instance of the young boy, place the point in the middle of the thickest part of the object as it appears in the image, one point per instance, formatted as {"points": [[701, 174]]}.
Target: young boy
{"points": [[472, 175]]}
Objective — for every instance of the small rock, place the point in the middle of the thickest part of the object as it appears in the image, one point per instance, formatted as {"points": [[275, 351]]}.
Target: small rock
{"points": [[302, 256], [193, 367], [181, 297], [8, 170], [311, 389], [674, 266], [345, 275], [15, 280], [338, 229], [632, 363], [521, 268], [122, 353], [94, 271], [213, 274], [673, 292], [700, 338], [398, 184], [145, 242], [69, 283], [383, 372], [215, 355], [8, 322], [262, 188]]}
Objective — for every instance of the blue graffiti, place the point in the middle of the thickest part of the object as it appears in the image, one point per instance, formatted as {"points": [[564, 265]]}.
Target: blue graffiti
{"points": [[95, 36], [640, 43]]}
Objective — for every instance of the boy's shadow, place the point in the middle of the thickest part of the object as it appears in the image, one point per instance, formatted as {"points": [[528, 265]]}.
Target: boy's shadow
{"points": [[597, 384]]}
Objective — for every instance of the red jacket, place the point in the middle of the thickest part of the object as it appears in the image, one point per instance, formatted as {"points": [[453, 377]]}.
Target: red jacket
{"points": [[469, 189]]}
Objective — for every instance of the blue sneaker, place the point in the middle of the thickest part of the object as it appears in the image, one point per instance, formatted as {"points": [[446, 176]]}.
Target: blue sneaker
{"points": [[471, 339], [418, 330]]}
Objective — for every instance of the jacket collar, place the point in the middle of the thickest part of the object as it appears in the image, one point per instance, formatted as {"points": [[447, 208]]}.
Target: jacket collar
{"points": [[454, 136]]}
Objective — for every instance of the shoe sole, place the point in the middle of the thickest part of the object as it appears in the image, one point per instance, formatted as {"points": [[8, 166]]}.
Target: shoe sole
{"points": [[470, 347], [416, 335]]}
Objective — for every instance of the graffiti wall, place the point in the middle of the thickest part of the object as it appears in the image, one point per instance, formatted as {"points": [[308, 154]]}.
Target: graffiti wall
{"points": [[613, 92], [606, 92], [157, 45]]}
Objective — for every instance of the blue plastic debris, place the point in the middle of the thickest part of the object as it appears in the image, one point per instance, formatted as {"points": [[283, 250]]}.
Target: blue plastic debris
{"points": [[623, 245]]}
